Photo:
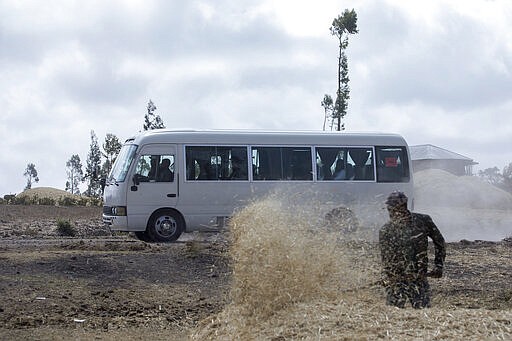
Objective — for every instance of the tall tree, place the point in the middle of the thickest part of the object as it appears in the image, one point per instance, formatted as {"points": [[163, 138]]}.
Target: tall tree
{"points": [[342, 26], [75, 174], [92, 168], [31, 175], [327, 104], [152, 120], [111, 148]]}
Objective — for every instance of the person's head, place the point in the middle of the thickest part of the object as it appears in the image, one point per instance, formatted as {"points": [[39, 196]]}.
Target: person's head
{"points": [[166, 163], [396, 203]]}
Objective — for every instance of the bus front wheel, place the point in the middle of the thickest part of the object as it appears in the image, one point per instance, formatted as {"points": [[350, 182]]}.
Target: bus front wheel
{"points": [[165, 226]]}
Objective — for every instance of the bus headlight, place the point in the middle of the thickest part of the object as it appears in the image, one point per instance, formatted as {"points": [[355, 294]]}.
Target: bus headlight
{"points": [[119, 210]]}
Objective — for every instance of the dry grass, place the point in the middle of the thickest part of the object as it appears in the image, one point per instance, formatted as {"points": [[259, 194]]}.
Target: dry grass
{"points": [[292, 280]]}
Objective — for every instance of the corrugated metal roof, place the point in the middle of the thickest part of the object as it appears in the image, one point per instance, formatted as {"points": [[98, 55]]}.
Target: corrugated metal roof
{"points": [[430, 152]]}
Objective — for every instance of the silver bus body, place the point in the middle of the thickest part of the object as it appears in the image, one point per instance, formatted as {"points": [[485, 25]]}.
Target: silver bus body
{"points": [[207, 175]]}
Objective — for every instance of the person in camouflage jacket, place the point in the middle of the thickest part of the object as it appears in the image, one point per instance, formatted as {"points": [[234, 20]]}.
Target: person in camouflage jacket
{"points": [[403, 245]]}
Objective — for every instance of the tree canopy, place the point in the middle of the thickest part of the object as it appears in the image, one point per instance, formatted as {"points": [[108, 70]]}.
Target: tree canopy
{"points": [[111, 148], [341, 27], [75, 174], [31, 175], [152, 120], [92, 168]]}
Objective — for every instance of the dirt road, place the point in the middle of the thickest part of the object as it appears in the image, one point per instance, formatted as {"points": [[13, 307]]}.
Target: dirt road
{"points": [[108, 287]]}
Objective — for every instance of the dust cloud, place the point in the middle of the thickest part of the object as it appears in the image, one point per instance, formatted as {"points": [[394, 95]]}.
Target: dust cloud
{"points": [[296, 277], [463, 207], [283, 256]]}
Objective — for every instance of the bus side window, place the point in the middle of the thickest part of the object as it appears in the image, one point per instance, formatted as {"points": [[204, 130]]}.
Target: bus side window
{"points": [[392, 164], [268, 163], [362, 162], [199, 163], [216, 163], [332, 164], [233, 163], [282, 163], [146, 168], [165, 169], [155, 168], [301, 164]]}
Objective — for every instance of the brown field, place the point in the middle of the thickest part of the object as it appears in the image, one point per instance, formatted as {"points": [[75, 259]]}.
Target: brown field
{"points": [[263, 280]]}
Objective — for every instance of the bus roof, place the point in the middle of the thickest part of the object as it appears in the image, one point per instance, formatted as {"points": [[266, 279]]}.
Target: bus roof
{"points": [[264, 137]]}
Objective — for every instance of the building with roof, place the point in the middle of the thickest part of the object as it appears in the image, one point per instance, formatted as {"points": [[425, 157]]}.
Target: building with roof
{"points": [[427, 156]]}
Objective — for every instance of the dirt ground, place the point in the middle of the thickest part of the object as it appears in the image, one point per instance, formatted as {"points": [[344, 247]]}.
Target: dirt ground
{"points": [[101, 286]]}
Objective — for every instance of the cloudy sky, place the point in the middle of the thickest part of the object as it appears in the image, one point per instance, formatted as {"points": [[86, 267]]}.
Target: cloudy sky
{"points": [[437, 72]]}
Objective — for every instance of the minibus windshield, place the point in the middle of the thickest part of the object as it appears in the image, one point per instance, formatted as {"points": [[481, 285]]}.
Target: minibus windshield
{"points": [[122, 163]]}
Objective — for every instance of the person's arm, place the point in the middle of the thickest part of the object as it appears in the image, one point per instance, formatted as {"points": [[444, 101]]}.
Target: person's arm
{"points": [[439, 247], [385, 254]]}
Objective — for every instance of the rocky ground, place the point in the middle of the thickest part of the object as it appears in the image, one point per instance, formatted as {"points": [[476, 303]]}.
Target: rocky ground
{"points": [[96, 285]]}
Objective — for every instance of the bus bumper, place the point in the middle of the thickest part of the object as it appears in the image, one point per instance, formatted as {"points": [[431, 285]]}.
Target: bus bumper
{"points": [[116, 223]]}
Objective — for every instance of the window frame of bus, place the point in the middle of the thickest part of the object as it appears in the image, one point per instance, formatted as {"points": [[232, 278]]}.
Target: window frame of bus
{"points": [[288, 171], [214, 151], [153, 168], [400, 160], [346, 150]]}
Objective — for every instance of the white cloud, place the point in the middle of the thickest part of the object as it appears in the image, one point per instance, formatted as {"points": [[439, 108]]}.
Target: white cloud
{"points": [[437, 72]]}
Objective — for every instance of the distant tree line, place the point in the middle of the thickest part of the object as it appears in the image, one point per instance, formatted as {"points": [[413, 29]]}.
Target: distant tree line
{"points": [[502, 180], [99, 161], [95, 170]]}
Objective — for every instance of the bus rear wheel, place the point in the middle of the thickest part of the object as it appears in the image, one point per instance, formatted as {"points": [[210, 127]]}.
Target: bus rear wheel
{"points": [[165, 226]]}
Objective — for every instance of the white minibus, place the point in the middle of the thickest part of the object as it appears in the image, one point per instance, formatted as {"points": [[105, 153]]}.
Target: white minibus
{"points": [[166, 182]]}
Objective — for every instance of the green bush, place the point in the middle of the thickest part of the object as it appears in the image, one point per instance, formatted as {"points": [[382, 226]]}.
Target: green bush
{"points": [[65, 228]]}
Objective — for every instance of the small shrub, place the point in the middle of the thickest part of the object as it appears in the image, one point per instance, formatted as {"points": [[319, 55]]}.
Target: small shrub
{"points": [[46, 201], [65, 228], [95, 202], [82, 201], [21, 200], [66, 201]]}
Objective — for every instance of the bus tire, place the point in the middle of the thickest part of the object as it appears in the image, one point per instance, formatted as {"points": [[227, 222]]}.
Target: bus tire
{"points": [[165, 226], [342, 219]]}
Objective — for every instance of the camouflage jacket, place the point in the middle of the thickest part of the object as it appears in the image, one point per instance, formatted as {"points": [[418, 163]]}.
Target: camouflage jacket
{"points": [[403, 247]]}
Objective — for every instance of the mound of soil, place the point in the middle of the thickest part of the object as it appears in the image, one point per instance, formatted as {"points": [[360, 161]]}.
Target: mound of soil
{"points": [[463, 207], [435, 187]]}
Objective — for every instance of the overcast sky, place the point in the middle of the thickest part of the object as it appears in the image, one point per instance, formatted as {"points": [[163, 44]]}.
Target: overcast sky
{"points": [[437, 72]]}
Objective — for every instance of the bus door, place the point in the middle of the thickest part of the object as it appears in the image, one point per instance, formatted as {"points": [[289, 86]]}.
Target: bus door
{"points": [[154, 183]]}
